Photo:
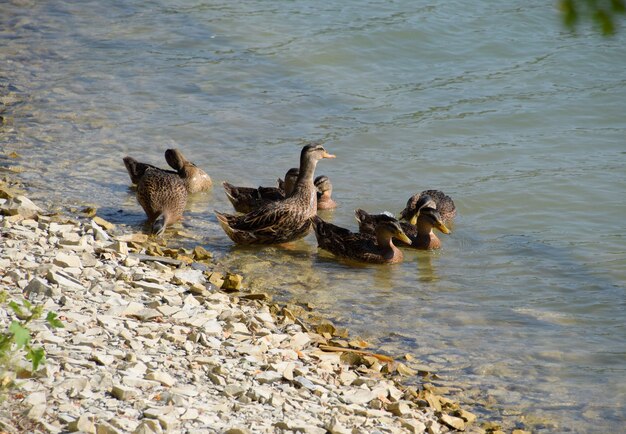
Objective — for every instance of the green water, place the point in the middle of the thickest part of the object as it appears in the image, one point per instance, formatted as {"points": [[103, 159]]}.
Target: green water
{"points": [[522, 123]]}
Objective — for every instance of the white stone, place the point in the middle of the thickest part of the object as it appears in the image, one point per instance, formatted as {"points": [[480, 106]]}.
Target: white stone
{"points": [[65, 260], [162, 377]]}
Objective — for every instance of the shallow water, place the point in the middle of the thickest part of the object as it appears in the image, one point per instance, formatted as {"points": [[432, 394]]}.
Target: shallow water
{"points": [[521, 123]]}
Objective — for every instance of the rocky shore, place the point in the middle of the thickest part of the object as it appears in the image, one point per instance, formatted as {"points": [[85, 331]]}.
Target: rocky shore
{"points": [[157, 340]]}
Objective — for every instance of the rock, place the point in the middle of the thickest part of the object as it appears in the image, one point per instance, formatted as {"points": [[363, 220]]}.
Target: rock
{"points": [[262, 296], [216, 279], [334, 426], [236, 430], [465, 415], [453, 422], [152, 288], [399, 408], [232, 282], [234, 390], [39, 287], [119, 247], [124, 393], [413, 426], [82, 424], [106, 428], [36, 412], [66, 260], [148, 426], [186, 275], [103, 358], [201, 254], [147, 314], [190, 414], [99, 233], [22, 206], [103, 223], [162, 377], [299, 340], [266, 377], [133, 238], [64, 280]]}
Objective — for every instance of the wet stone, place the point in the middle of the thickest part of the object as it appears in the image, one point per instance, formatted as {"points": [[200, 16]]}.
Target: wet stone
{"points": [[232, 282]]}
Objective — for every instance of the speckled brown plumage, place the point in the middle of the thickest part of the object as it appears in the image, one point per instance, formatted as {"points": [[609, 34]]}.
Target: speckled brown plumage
{"points": [[194, 178], [247, 199], [444, 204], [421, 235], [324, 193], [284, 220], [375, 248], [163, 196]]}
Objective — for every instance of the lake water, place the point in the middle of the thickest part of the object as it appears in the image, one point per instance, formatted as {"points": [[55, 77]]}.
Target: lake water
{"points": [[521, 122]]}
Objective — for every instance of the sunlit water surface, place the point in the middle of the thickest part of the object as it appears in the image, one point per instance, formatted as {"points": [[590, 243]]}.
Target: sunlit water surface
{"points": [[522, 123]]}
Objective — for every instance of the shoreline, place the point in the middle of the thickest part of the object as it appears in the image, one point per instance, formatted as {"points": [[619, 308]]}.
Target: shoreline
{"points": [[231, 355]]}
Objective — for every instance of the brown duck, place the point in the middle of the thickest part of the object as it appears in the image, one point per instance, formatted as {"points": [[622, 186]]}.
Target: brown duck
{"points": [[283, 220], [247, 199], [195, 179], [443, 203], [421, 234], [163, 196], [324, 192], [375, 248]]}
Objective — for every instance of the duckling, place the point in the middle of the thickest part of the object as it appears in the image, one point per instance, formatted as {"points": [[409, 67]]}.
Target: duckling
{"points": [[444, 204], [324, 192], [421, 234], [375, 248], [195, 179], [246, 199], [284, 220], [291, 177]]}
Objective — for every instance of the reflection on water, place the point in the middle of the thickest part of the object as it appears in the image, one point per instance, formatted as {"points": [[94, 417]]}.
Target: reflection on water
{"points": [[523, 308]]}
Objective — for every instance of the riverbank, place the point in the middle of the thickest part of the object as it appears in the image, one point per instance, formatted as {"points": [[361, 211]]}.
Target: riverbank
{"points": [[163, 340]]}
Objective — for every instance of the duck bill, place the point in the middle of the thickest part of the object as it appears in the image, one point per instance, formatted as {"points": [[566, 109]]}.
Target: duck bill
{"points": [[327, 155], [413, 219], [443, 228], [403, 237]]}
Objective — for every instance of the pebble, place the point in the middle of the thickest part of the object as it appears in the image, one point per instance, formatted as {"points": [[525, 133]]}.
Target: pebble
{"points": [[150, 345]]}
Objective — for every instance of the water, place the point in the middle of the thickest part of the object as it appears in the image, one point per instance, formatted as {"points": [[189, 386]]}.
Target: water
{"points": [[520, 122]]}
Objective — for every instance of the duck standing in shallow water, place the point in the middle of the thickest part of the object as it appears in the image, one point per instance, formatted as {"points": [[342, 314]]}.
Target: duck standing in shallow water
{"points": [[163, 196], [377, 248], [247, 199], [421, 234], [443, 203], [194, 178], [284, 220], [324, 192]]}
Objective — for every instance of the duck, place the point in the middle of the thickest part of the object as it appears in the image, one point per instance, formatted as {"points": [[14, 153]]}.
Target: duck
{"points": [[247, 199], [421, 233], [163, 196], [377, 248], [285, 220], [195, 179], [324, 192], [443, 203]]}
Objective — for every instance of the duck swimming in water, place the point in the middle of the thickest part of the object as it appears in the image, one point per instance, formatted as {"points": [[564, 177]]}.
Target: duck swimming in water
{"points": [[324, 192], [247, 199], [284, 220], [421, 233], [375, 248], [443, 203]]}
